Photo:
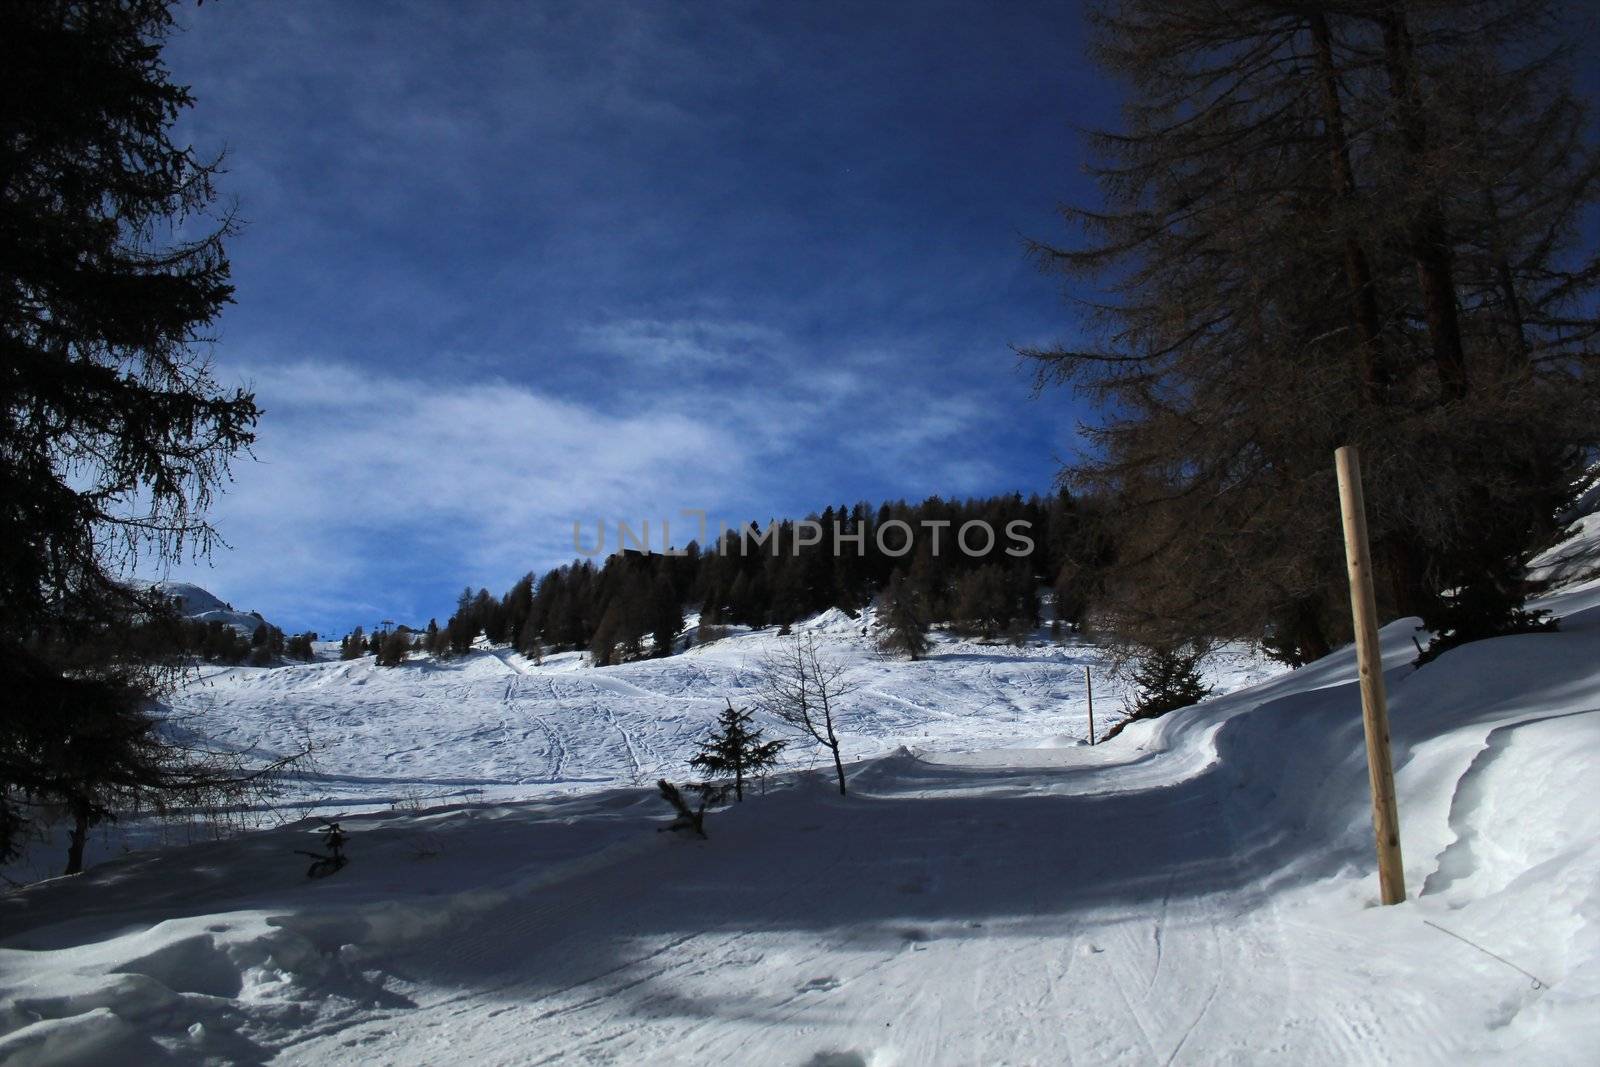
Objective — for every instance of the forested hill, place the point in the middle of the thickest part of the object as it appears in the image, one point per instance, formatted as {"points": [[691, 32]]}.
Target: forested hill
{"points": [[978, 562]]}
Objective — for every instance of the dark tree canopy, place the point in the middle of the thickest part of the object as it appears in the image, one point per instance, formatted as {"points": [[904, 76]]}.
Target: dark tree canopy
{"points": [[633, 603], [1324, 224], [113, 433]]}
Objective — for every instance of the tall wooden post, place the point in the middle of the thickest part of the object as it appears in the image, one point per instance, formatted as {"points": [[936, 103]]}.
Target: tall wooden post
{"points": [[1369, 656], [1088, 683]]}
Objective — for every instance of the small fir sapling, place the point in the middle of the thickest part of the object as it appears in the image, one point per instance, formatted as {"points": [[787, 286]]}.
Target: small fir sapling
{"points": [[735, 747], [1166, 679]]}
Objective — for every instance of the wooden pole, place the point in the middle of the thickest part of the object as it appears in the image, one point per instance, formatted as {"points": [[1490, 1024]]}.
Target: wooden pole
{"points": [[1369, 656], [1088, 682]]}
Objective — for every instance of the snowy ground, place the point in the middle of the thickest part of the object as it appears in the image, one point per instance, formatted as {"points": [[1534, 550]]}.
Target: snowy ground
{"points": [[1200, 890], [495, 726]]}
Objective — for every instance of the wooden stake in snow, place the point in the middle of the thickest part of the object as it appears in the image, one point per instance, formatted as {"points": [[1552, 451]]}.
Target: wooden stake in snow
{"points": [[1369, 656], [1088, 684]]}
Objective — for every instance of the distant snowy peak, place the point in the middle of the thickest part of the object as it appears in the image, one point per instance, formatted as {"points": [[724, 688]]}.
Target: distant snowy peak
{"points": [[202, 605]]}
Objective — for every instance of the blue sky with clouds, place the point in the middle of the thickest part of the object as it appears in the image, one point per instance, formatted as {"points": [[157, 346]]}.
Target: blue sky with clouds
{"points": [[511, 265]]}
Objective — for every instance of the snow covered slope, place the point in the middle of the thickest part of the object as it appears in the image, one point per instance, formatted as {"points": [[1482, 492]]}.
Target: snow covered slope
{"points": [[1199, 891], [494, 724]]}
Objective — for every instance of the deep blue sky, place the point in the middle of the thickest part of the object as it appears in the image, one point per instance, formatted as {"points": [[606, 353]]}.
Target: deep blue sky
{"points": [[510, 265]]}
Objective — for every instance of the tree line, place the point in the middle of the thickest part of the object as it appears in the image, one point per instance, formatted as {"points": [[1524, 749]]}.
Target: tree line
{"points": [[633, 604], [167, 637]]}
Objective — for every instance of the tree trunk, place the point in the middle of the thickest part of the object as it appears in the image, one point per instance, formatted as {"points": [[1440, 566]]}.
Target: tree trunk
{"points": [[1507, 284], [1311, 643], [838, 765], [1437, 281], [1371, 368], [1406, 582], [77, 839], [1425, 233]]}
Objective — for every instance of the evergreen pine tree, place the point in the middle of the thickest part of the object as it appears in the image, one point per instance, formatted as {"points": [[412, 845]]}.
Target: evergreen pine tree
{"points": [[394, 648], [735, 747], [904, 620], [462, 626], [101, 293], [114, 434], [1167, 679], [666, 615]]}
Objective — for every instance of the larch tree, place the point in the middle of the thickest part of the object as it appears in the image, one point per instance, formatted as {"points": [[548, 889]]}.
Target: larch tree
{"points": [[1295, 252], [804, 688]]}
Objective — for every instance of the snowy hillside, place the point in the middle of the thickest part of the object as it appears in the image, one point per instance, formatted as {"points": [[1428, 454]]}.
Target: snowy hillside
{"points": [[493, 724], [1200, 890]]}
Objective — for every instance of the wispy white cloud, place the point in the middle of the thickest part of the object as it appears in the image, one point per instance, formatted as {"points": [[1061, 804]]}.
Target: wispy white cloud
{"points": [[369, 492], [687, 343], [358, 478], [773, 393]]}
